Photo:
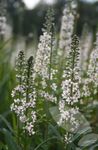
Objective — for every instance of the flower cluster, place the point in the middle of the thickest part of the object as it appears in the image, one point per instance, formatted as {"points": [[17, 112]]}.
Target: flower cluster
{"points": [[42, 59], [68, 138], [91, 78], [49, 87], [70, 96], [2, 25], [43, 55], [85, 47], [93, 64], [67, 27], [2, 19], [24, 94]]}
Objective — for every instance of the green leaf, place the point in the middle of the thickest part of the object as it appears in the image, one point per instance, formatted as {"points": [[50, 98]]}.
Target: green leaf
{"points": [[55, 131], [88, 140], [7, 123], [93, 147], [9, 139], [67, 125], [54, 111], [45, 141], [2, 146], [82, 131]]}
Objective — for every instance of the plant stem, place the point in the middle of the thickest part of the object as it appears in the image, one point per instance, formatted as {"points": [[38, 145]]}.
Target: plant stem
{"points": [[44, 142]]}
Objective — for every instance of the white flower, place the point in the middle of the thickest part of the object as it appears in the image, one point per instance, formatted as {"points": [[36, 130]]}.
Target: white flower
{"points": [[54, 86], [23, 119], [67, 27], [42, 59], [68, 138], [49, 97], [30, 128]]}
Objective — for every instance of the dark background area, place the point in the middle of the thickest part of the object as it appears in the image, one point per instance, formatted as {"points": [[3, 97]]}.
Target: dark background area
{"points": [[26, 22]]}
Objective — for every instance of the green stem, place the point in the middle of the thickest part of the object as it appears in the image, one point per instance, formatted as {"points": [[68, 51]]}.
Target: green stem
{"points": [[49, 139], [27, 93], [72, 75], [46, 102], [18, 131], [50, 60]]}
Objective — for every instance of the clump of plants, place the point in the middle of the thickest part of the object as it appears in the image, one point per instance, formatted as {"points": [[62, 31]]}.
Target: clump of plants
{"points": [[53, 96]]}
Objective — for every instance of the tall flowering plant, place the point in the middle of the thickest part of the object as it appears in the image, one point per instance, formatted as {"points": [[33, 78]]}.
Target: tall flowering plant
{"points": [[67, 26], [24, 94], [70, 96]]}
